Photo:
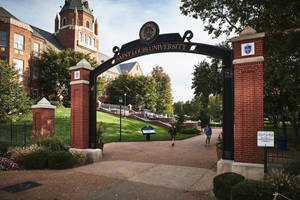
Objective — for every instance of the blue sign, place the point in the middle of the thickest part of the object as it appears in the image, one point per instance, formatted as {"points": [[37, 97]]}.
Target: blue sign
{"points": [[247, 49]]}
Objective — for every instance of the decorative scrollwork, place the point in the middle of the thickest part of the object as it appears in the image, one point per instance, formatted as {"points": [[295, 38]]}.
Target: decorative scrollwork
{"points": [[188, 35], [116, 50]]}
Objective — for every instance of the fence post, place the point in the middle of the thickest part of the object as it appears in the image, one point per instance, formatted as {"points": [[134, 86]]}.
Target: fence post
{"points": [[265, 160], [24, 130], [11, 136]]}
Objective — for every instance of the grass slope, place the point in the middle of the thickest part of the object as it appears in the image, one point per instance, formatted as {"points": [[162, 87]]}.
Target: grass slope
{"points": [[131, 129]]}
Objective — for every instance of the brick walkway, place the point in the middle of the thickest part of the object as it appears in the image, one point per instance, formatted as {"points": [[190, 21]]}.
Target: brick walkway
{"points": [[136, 170]]}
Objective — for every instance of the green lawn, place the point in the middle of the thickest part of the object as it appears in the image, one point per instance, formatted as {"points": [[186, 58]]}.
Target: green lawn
{"points": [[131, 129]]}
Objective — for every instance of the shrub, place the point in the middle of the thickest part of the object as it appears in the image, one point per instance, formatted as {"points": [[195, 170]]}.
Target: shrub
{"points": [[292, 168], [224, 182], [36, 160], [51, 144], [79, 157], [285, 183], [17, 154], [3, 148], [250, 190], [61, 160], [6, 164]]}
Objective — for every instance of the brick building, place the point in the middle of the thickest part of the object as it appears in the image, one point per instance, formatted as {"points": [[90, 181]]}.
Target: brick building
{"points": [[75, 28], [21, 43]]}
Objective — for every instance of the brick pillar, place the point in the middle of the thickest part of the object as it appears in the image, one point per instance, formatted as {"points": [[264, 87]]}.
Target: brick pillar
{"points": [[43, 119], [79, 123], [248, 95]]}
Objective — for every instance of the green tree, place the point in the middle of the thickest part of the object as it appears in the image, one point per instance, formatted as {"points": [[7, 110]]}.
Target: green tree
{"points": [[207, 80], [54, 74], [228, 16], [280, 20], [163, 91], [140, 90], [14, 101], [178, 107], [215, 108], [101, 84]]}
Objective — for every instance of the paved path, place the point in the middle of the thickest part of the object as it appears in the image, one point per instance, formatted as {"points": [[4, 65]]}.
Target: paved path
{"points": [[136, 170]]}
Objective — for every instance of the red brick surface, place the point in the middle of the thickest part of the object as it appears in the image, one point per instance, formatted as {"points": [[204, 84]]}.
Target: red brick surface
{"points": [[80, 111], [248, 103], [43, 123]]}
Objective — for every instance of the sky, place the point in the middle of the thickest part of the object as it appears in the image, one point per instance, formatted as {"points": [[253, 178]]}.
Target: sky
{"points": [[119, 22]]}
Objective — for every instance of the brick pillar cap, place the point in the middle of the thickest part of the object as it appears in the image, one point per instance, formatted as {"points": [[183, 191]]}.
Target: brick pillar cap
{"points": [[247, 34], [83, 64], [43, 103]]}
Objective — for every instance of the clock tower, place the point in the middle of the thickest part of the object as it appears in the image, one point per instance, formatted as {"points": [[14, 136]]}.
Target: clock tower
{"points": [[76, 28]]}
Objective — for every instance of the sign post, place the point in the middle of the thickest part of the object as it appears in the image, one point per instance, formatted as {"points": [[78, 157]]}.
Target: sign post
{"points": [[265, 139]]}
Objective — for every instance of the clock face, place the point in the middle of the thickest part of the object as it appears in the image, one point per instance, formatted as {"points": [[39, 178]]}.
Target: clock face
{"points": [[149, 32]]}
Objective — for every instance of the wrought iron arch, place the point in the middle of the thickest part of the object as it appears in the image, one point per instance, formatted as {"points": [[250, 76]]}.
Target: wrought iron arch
{"points": [[152, 42]]}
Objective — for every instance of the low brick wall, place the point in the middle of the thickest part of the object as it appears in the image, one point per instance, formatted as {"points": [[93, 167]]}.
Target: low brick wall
{"points": [[166, 119], [191, 125]]}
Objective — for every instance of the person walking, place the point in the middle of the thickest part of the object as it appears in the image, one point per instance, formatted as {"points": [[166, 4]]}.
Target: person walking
{"points": [[208, 132], [172, 132]]}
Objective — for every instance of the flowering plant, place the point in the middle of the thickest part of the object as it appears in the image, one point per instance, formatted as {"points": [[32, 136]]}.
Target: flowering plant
{"points": [[100, 132], [219, 143], [6, 164]]}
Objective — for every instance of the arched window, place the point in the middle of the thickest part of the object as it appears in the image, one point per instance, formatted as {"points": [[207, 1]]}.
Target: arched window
{"points": [[87, 24], [84, 38], [94, 42], [64, 22], [89, 40], [80, 37]]}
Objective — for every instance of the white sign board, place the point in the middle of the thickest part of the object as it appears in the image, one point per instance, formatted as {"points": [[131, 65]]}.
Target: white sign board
{"points": [[77, 75], [248, 49], [265, 138], [148, 131]]}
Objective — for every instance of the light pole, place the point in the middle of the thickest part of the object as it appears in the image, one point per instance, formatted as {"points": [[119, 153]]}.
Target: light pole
{"points": [[125, 105], [120, 101]]}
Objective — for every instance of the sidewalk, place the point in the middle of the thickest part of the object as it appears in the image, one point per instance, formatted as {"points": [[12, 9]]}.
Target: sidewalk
{"points": [[136, 170]]}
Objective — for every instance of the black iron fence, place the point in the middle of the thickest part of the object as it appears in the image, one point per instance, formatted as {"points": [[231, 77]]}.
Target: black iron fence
{"points": [[15, 134], [277, 157]]}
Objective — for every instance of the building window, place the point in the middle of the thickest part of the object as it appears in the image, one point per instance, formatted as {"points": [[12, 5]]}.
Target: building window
{"points": [[80, 37], [18, 41], [87, 24], [89, 41], [64, 22], [36, 49], [19, 65], [85, 38], [94, 42], [2, 38]]}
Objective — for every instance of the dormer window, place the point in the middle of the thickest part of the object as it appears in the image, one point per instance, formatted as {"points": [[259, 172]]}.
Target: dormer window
{"points": [[87, 24], [64, 22]]}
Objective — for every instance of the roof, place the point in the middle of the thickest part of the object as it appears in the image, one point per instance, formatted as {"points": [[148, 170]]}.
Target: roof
{"points": [[5, 13], [126, 67], [79, 4], [49, 37]]}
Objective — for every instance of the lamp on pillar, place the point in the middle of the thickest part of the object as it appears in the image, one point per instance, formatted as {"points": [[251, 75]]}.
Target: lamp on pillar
{"points": [[125, 105], [120, 101]]}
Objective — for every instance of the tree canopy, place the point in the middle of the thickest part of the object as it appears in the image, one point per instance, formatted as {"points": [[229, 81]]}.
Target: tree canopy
{"points": [[163, 91], [140, 91], [54, 74], [207, 80], [14, 101], [228, 16]]}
